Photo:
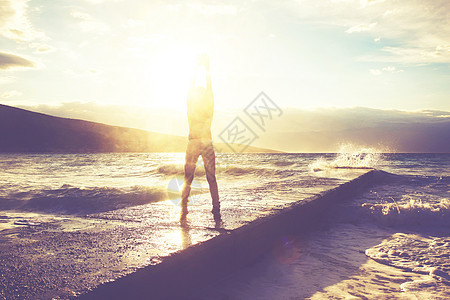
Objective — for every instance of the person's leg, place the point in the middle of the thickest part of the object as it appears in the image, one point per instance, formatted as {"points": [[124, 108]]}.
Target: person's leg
{"points": [[209, 161], [192, 154]]}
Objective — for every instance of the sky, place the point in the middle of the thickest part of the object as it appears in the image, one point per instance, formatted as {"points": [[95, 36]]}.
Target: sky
{"points": [[303, 53], [110, 56]]}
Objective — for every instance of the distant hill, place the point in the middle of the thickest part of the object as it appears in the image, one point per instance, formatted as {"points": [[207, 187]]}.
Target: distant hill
{"points": [[412, 138], [25, 131], [327, 129]]}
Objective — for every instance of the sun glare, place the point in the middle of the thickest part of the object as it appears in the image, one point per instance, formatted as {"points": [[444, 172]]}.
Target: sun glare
{"points": [[171, 72]]}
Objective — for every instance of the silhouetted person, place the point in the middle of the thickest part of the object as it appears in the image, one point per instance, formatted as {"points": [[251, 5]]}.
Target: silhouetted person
{"points": [[200, 108]]}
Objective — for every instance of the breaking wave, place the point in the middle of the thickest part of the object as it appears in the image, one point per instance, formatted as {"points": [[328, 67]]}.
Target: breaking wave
{"points": [[407, 201], [174, 169], [74, 200], [349, 157], [410, 201], [412, 212]]}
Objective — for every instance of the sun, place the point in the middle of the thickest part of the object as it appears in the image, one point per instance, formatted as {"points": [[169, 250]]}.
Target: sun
{"points": [[171, 71]]}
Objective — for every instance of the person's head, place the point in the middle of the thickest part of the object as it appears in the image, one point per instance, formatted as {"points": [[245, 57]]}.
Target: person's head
{"points": [[203, 60]]}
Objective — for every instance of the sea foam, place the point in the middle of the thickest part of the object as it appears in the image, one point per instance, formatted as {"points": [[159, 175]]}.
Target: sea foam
{"points": [[349, 157], [417, 253], [412, 212], [74, 200]]}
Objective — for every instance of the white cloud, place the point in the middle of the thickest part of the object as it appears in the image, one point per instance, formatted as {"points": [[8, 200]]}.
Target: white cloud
{"points": [[83, 44], [376, 72], [83, 72], [147, 39], [100, 1], [14, 21], [416, 55], [370, 2], [420, 29], [94, 71], [10, 94], [410, 55], [94, 1], [216, 9], [41, 48], [389, 69], [361, 28], [88, 23], [205, 9], [139, 46], [7, 79], [132, 23]]}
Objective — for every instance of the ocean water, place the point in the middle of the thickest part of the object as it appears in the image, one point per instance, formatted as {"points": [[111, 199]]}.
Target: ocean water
{"points": [[88, 183], [390, 242]]}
